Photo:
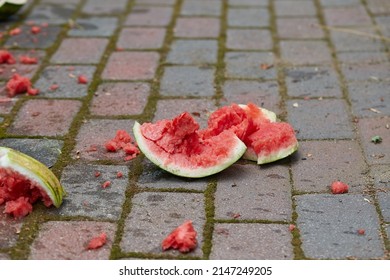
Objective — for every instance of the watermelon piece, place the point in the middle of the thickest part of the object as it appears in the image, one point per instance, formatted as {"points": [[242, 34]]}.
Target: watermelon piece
{"points": [[10, 7], [23, 181], [6, 57], [338, 187], [97, 242], [183, 238], [19, 84], [178, 147], [24, 59]]}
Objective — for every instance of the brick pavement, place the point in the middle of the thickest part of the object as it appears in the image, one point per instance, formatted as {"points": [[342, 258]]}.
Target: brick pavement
{"points": [[327, 74]]}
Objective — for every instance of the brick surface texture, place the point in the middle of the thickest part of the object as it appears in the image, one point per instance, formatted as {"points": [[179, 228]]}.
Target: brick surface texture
{"points": [[321, 65]]}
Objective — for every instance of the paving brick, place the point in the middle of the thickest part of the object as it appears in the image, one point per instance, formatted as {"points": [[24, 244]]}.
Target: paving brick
{"points": [[357, 39], [368, 97], [200, 109], [378, 7], [253, 193], [85, 195], [193, 52], [154, 215], [317, 164], [149, 16], [329, 223], [153, 177], [305, 52], [9, 229], [45, 117], [60, 1], [320, 119], [66, 78], [312, 82], [67, 240], [249, 39], [248, 3], [347, 16], [381, 177], [295, 8], [384, 204], [46, 151], [249, 65], [7, 104], [27, 70], [131, 66], [187, 81], [156, 2], [264, 94], [4, 256], [248, 17], [251, 242], [369, 72], [42, 40], [94, 134], [141, 38], [97, 7], [201, 8], [51, 13], [384, 24], [336, 3], [369, 57], [80, 50], [299, 28], [94, 27], [197, 27], [115, 99], [370, 127]]}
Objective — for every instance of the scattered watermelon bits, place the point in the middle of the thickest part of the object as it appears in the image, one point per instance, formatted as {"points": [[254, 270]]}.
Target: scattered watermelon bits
{"points": [[183, 238], [97, 174], [97, 242], [361, 231], [6, 57], [106, 184], [35, 29], [54, 87], [338, 187], [122, 141], [24, 59], [15, 31], [291, 227], [19, 84], [82, 79], [119, 174], [18, 208]]}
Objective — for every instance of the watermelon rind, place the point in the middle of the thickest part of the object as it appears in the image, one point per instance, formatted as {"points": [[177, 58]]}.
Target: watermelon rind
{"points": [[277, 155], [190, 172], [34, 171], [271, 116], [10, 7]]}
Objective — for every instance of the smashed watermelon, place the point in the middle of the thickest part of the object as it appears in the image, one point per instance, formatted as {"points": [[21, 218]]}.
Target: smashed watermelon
{"points": [[24, 181], [183, 238]]}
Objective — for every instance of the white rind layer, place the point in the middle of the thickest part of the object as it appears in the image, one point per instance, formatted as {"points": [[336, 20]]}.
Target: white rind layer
{"points": [[173, 168]]}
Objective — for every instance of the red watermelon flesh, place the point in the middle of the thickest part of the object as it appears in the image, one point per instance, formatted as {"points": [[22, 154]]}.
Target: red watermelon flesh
{"points": [[19, 193]]}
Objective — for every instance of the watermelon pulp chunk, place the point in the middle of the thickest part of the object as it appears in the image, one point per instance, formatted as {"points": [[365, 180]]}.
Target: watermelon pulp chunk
{"points": [[178, 147]]}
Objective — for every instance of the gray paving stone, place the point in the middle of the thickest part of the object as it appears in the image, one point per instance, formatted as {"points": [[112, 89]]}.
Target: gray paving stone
{"points": [[201, 8], [368, 96], [4, 256], [98, 7], [51, 13], [85, 195], [149, 16], [154, 215], [249, 39], [329, 223], [355, 15], [312, 82], [156, 2], [381, 177], [251, 192], [45, 39], [196, 52], [251, 242], [378, 7], [370, 127], [335, 3], [248, 3], [305, 52], [369, 72], [299, 28], [187, 81], [384, 24], [384, 205], [154, 177], [46, 151], [320, 119], [65, 78], [264, 94], [94, 27], [295, 8], [249, 65], [356, 39], [248, 17], [319, 163], [369, 57], [9, 229]]}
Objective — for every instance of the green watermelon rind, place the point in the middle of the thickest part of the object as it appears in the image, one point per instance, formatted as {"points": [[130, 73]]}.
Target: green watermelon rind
{"points": [[10, 7], [280, 154], [198, 172], [34, 171]]}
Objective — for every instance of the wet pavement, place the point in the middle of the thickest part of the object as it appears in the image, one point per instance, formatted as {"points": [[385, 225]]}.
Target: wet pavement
{"points": [[321, 65]]}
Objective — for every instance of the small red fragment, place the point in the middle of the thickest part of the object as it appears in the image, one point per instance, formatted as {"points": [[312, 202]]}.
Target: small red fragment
{"points": [[106, 184], [97, 241], [123, 140], [82, 79], [131, 149], [338, 187], [19, 84], [15, 31], [291, 227], [111, 146], [183, 238], [54, 87], [24, 59], [97, 174], [6, 57], [361, 231], [119, 174], [35, 29], [18, 208]]}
